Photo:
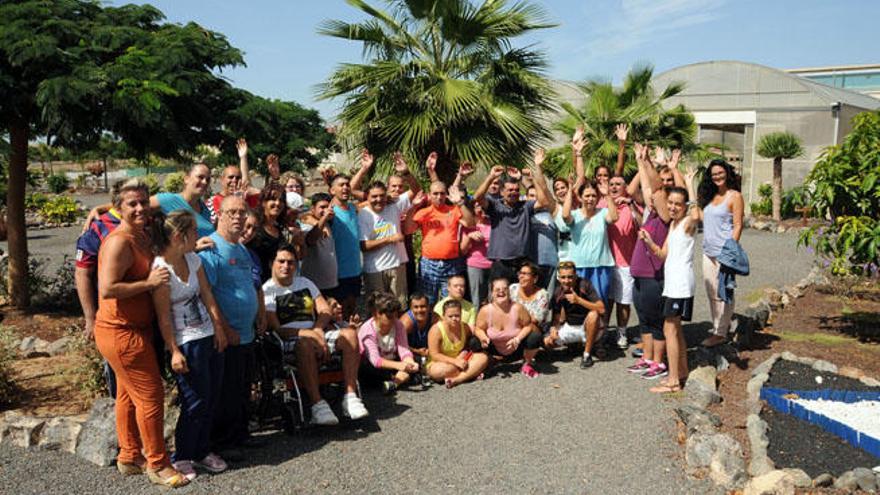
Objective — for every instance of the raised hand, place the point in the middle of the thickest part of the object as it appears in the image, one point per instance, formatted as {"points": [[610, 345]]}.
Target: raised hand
{"points": [[366, 159], [621, 131], [689, 174], [676, 157], [577, 140], [273, 165], [540, 156], [400, 165], [419, 198], [455, 196], [242, 147], [466, 169], [431, 161], [514, 173], [659, 156], [476, 236], [496, 171]]}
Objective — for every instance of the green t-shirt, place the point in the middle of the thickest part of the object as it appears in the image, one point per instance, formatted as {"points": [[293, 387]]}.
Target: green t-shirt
{"points": [[468, 311]]}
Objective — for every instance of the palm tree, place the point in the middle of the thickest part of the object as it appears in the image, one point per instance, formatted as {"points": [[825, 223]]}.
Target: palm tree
{"points": [[442, 75], [635, 104], [779, 146]]}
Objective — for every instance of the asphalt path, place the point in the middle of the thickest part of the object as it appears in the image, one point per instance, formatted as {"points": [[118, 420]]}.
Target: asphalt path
{"points": [[568, 431]]}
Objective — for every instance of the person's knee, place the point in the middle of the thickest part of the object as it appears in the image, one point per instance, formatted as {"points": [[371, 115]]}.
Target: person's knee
{"points": [[533, 340]]}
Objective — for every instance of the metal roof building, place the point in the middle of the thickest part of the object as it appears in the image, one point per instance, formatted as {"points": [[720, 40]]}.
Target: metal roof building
{"points": [[735, 103]]}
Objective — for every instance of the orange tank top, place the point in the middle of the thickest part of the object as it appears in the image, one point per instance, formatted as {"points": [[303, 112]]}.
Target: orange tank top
{"points": [[131, 312]]}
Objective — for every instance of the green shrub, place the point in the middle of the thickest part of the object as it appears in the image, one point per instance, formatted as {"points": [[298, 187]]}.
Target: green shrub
{"points": [[796, 197], [845, 186], [35, 201], [89, 374], [174, 182], [37, 281], [60, 209], [152, 183], [7, 355], [57, 183]]}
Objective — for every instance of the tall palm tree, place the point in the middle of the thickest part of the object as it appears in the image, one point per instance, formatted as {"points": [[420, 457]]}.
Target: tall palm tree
{"points": [[779, 146], [442, 75], [636, 104]]}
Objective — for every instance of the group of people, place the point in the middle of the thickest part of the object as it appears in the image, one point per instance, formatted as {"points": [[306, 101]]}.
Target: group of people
{"points": [[522, 264]]}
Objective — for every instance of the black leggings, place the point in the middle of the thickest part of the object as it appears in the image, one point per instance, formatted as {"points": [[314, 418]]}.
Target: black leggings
{"points": [[649, 305], [533, 341]]}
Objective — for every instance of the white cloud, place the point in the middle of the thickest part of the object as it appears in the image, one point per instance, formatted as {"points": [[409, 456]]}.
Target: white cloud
{"points": [[638, 22]]}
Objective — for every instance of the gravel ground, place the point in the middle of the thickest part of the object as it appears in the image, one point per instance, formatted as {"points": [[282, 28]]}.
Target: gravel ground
{"points": [[797, 376], [569, 431]]}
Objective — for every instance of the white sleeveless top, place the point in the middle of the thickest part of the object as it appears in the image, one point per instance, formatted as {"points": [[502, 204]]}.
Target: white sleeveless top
{"points": [[188, 314], [678, 270]]}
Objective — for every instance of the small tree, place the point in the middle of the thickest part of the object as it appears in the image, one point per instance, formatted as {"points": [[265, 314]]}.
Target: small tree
{"points": [[779, 146]]}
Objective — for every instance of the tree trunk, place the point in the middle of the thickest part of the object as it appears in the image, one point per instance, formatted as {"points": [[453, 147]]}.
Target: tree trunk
{"points": [[106, 170], [16, 228], [776, 198]]}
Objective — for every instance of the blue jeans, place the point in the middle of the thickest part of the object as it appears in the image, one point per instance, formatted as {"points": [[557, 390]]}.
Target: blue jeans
{"points": [[434, 275], [199, 391]]}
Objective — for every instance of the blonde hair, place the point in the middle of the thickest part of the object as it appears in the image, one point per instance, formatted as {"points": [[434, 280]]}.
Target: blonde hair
{"points": [[127, 186], [164, 227]]}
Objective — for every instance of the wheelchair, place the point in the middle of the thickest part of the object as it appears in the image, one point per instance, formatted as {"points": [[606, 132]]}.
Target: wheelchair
{"points": [[276, 393]]}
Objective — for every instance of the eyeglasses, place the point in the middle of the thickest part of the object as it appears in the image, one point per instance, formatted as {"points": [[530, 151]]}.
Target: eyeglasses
{"points": [[235, 213]]}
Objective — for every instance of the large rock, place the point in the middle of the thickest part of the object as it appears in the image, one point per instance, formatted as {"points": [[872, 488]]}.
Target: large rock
{"points": [[721, 454], [777, 482], [20, 430], [823, 480], [697, 419], [97, 440], [765, 367], [846, 481], [822, 365], [60, 434], [59, 346], [759, 463], [704, 375], [866, 479], [800, 477], [27, 344]]}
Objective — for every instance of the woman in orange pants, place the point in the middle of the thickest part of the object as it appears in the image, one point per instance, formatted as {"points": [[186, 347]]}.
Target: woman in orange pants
{"points": [[124, 334]]}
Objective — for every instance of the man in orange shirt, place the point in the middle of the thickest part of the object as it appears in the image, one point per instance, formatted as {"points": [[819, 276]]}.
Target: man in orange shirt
{"points": [[439, 223]]}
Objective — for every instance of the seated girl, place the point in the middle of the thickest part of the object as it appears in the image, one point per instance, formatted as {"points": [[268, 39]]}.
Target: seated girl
{"points": [[505, 329], [448, 360], [385, 354]]}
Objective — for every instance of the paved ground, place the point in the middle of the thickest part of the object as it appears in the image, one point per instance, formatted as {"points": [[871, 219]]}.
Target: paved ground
{"points": [[569, 431]]}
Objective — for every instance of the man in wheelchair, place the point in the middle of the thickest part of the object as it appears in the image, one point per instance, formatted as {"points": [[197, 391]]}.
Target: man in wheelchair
{"points": [[296, 310]]}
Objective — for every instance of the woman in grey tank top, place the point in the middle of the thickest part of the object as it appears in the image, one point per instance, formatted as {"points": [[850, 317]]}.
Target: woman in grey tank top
{"points": [[723, 209]]}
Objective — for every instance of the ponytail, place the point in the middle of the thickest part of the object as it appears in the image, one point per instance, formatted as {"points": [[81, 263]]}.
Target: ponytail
{"points": [[163, 227]]}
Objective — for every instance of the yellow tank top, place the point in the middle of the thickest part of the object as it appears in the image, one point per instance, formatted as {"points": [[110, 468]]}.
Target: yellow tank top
{"points": [[447, 346]]}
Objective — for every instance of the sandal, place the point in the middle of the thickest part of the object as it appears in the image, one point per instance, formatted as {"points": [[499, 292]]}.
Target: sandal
{"points": [[176, 480], [130, 468], [665, 389]]}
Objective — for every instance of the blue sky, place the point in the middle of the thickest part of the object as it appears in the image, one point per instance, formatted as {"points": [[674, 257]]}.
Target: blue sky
{"points": [[595, 38]]}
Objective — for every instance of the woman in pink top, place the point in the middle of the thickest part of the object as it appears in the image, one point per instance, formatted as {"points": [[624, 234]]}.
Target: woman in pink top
{"points": [[474, 244], [505, 329], [385, 353]]}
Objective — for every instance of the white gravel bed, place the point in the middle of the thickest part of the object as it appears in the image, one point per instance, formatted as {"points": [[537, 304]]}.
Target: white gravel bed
{"points": [[862, 416]]}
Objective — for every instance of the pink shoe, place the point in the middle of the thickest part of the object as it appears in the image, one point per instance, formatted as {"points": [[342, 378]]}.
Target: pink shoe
{"points": [[641, 366], [186, 469], [529, 371], [213, 463]]}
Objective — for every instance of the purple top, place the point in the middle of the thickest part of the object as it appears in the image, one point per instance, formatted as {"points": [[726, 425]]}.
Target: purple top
{"points": [[369, 343], [644, 264]]}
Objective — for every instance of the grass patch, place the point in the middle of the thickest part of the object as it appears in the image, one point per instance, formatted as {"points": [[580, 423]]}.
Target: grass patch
{"points": [[824, 339], [754, 296]]}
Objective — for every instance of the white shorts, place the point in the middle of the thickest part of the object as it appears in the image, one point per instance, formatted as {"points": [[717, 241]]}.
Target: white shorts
{"points": [[621, 285], [571, 334]]}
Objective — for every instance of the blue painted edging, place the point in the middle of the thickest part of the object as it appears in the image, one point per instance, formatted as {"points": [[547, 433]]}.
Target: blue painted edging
{"points": [[774, 397]]}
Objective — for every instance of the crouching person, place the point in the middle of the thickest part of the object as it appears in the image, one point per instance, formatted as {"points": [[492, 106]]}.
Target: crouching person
{"points": [[387, 358], [448, 360], [297, 310], [576, 311]]}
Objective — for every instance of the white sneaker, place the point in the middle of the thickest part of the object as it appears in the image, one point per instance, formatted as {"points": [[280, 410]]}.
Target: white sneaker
{"points": [[622, 342], [322, 415], [353, 407]]}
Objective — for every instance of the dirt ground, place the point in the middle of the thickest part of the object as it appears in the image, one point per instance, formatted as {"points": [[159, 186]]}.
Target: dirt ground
{"points": [[827, 324]]}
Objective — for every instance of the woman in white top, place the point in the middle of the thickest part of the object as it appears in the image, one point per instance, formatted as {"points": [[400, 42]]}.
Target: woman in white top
{"points": [[678, 270], [186, 306]]}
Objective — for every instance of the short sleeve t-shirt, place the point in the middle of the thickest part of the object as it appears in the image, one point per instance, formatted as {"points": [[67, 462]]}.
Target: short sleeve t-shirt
{"points": [[543, 239], [622, 235], [293, 304], [229, 270], [252, 200], [565, 245], [346, 235], [476, 256], [644, 263], [169, 202], [589, 239], [89, 243], [188, 314], [380, 225], [575, 314], [468, 311], [510, 228], [319, 264], [439, 226]]}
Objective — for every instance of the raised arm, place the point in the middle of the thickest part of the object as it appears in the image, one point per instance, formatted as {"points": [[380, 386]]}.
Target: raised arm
{"points": [[402, 169], [621, 131], [578, 142], [242, 148], [569, 199], [357, 180], [544, 199], [480, 194], [467, 217], [431, 167], [673, 166], [611, 215]]}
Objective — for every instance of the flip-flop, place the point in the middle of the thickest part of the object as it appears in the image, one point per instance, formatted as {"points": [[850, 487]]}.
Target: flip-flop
{"points": [[665, 389], [176, 480], [130, 468]]}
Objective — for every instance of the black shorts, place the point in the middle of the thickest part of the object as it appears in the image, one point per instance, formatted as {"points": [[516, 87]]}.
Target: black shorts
{"points": [[371, 376], [673, 307], [649, 305], [348, 287]]}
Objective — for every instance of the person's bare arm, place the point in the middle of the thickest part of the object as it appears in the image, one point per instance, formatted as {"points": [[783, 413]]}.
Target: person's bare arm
{"points": [[431, 167], [480, 194], [467, 217], [578, 142], [689, 179], [246, 188], [86, 290], [357, 180], [569, 199], [481, 326], [673, 166], [162, 302], [543, 197], [402, 169], [220, 331], [738, 206], [621, 131], [370, 245], [111, 275], [273, 321]]}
